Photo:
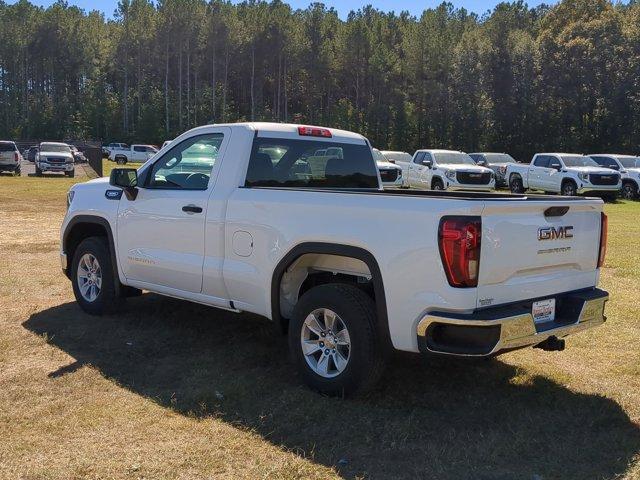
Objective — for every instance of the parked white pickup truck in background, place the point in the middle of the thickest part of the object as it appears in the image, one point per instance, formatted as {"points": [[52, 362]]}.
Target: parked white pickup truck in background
{"points": [[447, 170], [55, 157], [134, 153], [565, 173], [106, 150], [256, 217], [629, 168], [390, 174], [396, 156]]}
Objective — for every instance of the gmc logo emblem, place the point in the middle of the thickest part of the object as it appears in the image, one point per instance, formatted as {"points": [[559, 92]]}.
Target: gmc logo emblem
{"points": [[553, 233]]}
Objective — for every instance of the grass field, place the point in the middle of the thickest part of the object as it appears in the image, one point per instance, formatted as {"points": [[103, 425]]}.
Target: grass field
{"points": [[172, 390]]}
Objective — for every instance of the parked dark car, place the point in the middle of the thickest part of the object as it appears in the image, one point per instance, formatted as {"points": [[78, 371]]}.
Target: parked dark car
{"points": [[495, 161], [30, 154]]}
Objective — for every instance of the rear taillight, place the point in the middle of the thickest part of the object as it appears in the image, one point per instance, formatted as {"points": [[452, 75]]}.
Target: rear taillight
{"points": [[314, 132], [459, 241], [16, 157], [604, 227]]}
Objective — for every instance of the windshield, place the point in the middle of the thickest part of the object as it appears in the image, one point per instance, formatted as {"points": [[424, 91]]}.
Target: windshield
{"points": [[629, 162], [377, 155], [499, 158], [578, 161], [453, 158], [52, 147]]}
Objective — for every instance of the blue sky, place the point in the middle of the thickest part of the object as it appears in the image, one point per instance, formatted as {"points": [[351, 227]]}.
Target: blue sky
{"points": [[342, 6]]}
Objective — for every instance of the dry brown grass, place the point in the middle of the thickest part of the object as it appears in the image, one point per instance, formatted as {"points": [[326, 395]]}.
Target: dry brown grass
{"points": [[172, 390]]}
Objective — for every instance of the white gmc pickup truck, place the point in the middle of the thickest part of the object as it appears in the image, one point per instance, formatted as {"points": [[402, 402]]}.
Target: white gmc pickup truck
{"points": [[566, 173], [246, 217]]}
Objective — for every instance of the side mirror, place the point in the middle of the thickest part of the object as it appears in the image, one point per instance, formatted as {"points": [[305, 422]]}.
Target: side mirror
{"points": [[482, 163], [427, 163], [127, 179], [557, 166]]}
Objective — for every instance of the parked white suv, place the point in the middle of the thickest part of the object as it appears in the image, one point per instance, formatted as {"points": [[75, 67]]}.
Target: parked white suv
{"points": [[566, 173], [629, 168], [448, 170], [257, 217], [55, 157], [10, 158]]}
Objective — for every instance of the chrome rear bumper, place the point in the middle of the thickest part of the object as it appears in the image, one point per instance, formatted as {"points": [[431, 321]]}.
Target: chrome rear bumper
{"points": [[491, 331]]}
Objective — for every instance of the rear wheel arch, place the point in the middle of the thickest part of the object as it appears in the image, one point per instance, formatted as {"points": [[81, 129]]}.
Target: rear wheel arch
{"points": [[340, 250]]}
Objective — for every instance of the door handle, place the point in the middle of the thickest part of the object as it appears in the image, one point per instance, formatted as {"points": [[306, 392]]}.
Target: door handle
{"points": [[192, 209]]}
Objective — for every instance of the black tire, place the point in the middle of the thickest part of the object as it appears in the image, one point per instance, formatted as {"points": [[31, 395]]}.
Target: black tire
{"points": [[70, 174], [437, 184], [367, 357], [17, 172], [569, 189], [38, 172], [121, 160], [515, 184], [629, 191], [108, 299]]}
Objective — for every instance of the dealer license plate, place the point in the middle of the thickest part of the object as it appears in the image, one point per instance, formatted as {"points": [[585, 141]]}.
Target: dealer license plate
{"points": [[544, 310]]}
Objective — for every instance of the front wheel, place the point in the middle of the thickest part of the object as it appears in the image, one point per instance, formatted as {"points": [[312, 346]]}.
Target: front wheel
{"points": [[333, 340], [38, 172], [70, 174], [629, 191], [437, 185], [568, 189], [92, 277], [515, 185]]}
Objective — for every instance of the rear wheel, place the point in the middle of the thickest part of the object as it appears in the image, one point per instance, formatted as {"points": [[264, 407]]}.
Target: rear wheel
{"points": [[569, 189], [38, 172], [629, 191], [92, 277], [333, 340], [515, 184], [121, 160]]}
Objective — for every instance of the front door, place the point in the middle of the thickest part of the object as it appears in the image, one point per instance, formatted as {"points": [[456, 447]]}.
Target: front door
{"points": [[161, 234]]}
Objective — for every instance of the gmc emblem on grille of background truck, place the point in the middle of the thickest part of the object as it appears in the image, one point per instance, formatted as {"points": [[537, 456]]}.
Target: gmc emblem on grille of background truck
{"points": [[555, 233]]}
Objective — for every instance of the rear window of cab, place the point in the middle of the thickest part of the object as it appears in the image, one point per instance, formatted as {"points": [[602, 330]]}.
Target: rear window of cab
{"points": [[277, 162]]}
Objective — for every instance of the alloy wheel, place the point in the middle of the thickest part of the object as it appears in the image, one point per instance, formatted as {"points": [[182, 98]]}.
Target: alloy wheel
{"points": [[325, 343], [89, 277]]}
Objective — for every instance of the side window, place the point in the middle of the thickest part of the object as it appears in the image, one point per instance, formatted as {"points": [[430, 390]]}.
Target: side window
{"points": [[138, 148], [419, 158], [542, 161], [428, 156], [187, 165]]}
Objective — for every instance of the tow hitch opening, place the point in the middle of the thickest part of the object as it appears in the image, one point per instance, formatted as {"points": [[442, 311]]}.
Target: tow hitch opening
{"points": [[551, 344]]}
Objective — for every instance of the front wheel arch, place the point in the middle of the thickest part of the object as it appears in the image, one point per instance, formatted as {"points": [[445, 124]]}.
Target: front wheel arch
{"points": [[569, 181], [85, 226], [634, 187], [435, 180]]}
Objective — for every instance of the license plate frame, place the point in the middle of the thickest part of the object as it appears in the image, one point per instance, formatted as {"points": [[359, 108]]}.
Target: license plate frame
{"points": [[544, 311]]}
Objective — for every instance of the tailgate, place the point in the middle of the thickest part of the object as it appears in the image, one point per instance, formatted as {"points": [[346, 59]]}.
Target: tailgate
{"points": [[526, 254]]}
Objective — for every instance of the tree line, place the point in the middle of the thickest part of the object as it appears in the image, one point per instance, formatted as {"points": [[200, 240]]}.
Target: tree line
{"points": [[516, 79]]}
